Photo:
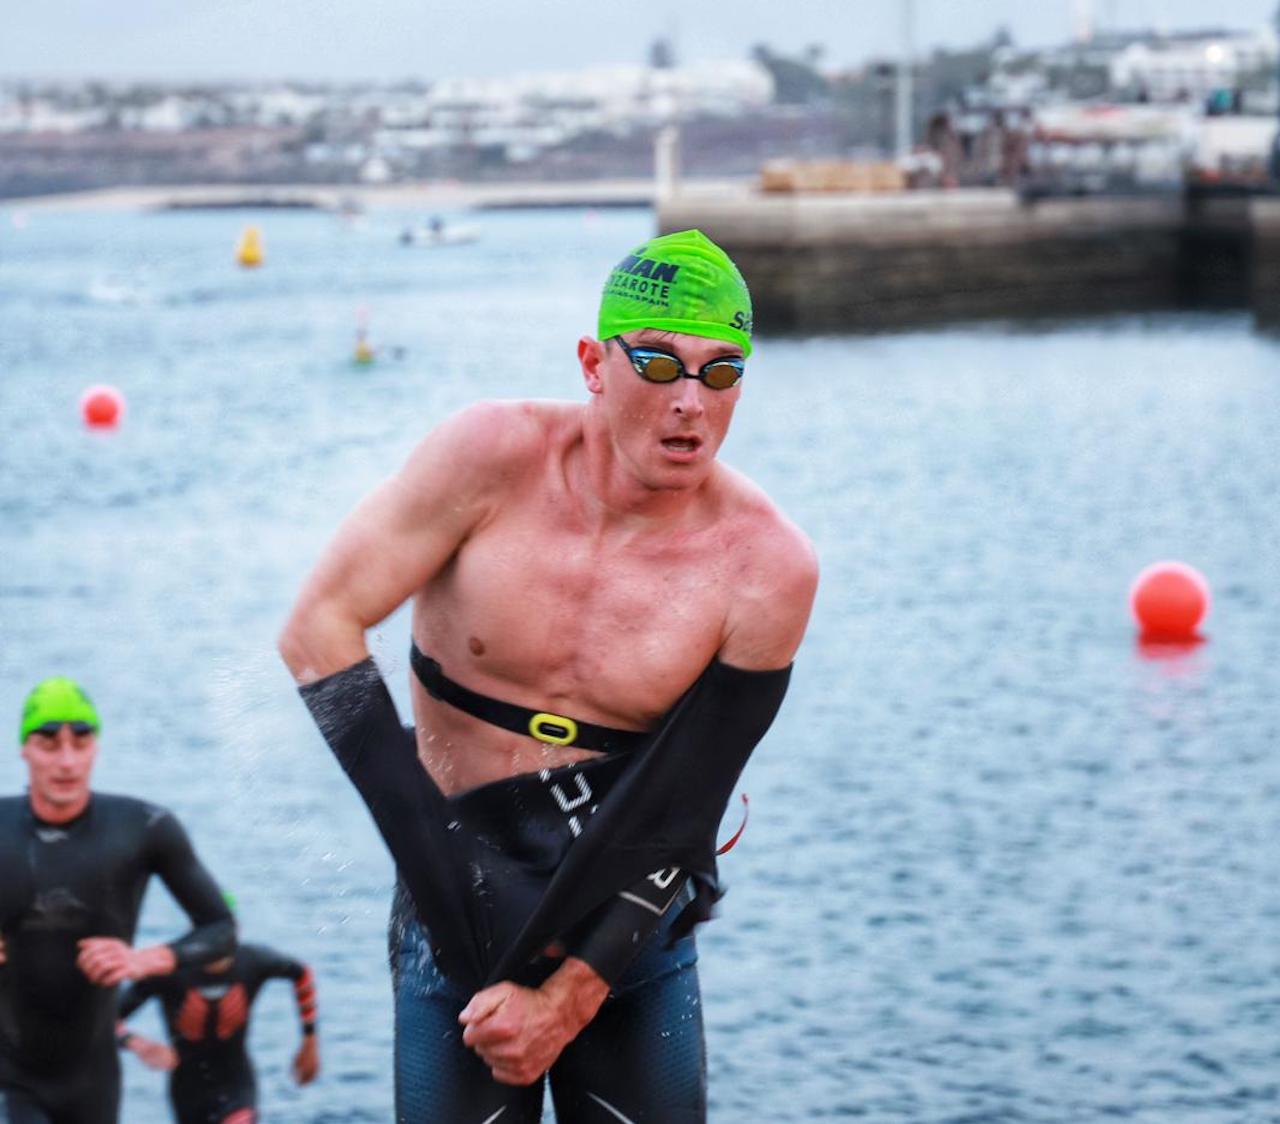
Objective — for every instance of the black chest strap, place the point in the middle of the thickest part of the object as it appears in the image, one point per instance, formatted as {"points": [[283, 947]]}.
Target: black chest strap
{"points": [[554, 729]]}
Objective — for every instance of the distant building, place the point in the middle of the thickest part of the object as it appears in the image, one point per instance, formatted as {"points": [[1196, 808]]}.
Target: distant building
{"points": [[532, 110], [1191, 67]]}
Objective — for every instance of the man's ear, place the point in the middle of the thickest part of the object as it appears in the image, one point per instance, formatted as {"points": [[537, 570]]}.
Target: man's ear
{"points": [[590, 356]]}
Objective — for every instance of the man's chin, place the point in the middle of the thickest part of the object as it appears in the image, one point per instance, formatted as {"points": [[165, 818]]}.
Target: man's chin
{"points": [[680, 481]]}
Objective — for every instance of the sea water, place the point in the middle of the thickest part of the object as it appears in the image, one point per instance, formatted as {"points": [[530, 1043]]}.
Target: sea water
{"points": [[1003, 864]]}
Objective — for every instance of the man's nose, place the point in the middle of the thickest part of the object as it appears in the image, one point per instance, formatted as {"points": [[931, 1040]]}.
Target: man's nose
{"points": [[688, 400]]}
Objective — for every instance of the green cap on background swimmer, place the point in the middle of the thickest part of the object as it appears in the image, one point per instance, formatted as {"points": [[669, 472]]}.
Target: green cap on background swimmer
{"points": [[58, 699], [681, 282]]}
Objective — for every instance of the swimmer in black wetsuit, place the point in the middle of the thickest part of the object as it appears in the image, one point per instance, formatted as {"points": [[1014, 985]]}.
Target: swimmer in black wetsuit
{"points": [[75, 866], [611, 614], [206, 1012]]}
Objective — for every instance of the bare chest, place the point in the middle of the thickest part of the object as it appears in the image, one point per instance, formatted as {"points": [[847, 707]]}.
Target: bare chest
{"points": [[618, 625]]}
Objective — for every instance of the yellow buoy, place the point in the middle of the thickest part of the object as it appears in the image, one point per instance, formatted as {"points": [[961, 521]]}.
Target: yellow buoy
{"points": [[249, 248], [365, 352]]}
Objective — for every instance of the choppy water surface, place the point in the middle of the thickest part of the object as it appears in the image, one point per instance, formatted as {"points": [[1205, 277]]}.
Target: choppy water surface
{"points": [[1001, 866]]}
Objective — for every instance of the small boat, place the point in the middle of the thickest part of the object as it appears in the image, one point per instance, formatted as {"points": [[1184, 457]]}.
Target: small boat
{"points": [[439, 234]]}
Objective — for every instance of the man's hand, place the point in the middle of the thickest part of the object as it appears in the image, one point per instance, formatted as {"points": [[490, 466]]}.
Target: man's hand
{"points": [[520, 1031], [517, 1032], [154, 1054], [107, 961], [306, 1062]]}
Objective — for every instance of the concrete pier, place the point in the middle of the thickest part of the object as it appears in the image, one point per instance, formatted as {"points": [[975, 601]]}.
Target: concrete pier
{"points": [[872, 262], [1264, 271]]}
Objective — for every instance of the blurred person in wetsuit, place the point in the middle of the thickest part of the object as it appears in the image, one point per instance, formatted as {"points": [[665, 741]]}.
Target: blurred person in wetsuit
{"points": [[206, 1013], [75, 867]]}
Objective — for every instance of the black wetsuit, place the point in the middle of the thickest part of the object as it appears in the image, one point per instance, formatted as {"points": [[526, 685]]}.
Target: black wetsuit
{"points": [[61, 883], [491, 876], [207, 1015]]}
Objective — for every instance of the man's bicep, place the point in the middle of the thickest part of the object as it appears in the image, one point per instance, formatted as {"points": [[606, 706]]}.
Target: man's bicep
{"points": [[396, 539], [383, 552], [186, 878], [272, 965], [769, 620]]}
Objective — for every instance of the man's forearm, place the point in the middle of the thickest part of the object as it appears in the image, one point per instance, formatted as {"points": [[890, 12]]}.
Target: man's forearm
{"points": [[316, 643], [614, 935], [577, 991], [210, 941], [157, 960], [304, 994]]}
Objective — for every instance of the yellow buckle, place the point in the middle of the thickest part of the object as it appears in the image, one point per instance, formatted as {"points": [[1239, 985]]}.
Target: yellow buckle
{"points": [[555, 729]]}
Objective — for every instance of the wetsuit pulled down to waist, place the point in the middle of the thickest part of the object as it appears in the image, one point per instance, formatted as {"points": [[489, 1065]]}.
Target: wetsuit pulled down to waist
{"points": [[611, 821], [650, 1026], [512, 835]]}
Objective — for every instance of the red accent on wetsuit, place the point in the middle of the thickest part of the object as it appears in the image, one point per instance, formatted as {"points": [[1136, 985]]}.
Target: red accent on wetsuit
{"points": [[746, 811], [233, 1011], [191, 1019], [241, 1116], [304, 991]]}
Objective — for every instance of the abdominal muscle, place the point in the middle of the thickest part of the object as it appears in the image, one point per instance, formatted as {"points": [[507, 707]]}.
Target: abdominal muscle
{"points": [[461, 752]]}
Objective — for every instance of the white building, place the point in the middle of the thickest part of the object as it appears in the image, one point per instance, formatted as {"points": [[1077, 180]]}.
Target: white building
{"points": [[615, 99], [1192, 68]]}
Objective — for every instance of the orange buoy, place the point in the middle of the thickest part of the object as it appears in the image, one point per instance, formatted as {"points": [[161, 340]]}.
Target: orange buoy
{"points": [[102, 407], [1169, 600]]}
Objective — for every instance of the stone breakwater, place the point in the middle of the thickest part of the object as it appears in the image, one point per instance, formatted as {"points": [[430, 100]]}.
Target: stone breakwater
{"points": [[828, 263]]}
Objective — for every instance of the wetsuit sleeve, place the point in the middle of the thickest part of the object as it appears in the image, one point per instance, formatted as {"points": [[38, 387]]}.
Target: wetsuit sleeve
{"points": [[664, 811], [274, 965], [612, 936], [358, 719], [192, 886], [134, 996]]}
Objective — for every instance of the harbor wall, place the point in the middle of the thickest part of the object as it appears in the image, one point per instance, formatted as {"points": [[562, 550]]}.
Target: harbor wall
{"points": [[820, 263], [1264, 229]]}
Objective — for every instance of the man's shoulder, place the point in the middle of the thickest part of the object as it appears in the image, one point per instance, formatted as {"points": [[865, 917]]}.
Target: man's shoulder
{"points": [[517, 422], [775, 579], [249, 954], [132, 809], [766, 538], [495, 436], [12, 808]]}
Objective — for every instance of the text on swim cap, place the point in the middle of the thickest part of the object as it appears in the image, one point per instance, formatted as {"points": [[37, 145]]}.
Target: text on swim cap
{"points": [[637, 278], [647, 267]]}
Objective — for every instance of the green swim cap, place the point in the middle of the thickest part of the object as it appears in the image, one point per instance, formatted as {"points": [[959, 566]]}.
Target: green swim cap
{"points": [[230, 899], [681, 282], [57, 700]]}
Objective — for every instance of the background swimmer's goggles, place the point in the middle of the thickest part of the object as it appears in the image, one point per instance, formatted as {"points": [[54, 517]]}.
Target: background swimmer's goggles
{"points": [[50, 729], [653, 365]]}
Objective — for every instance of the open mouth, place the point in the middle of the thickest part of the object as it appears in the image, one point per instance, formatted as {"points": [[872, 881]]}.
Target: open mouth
{"points": [[682, 444]]}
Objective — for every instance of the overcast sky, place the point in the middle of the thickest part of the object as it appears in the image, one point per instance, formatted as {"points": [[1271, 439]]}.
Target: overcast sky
{"points": [[393, 39]]}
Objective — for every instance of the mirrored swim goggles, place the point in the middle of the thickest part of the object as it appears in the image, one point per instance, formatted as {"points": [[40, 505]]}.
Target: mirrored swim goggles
{"points": [[654, 365], [50, 729]]}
